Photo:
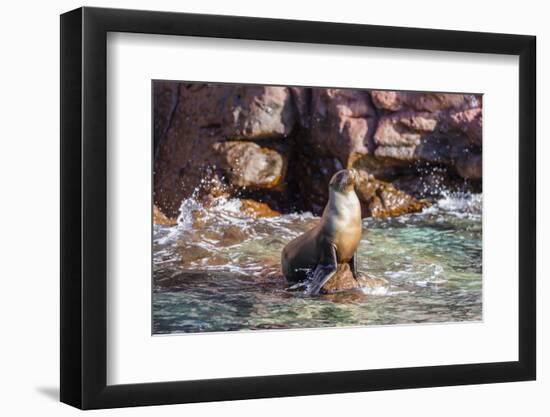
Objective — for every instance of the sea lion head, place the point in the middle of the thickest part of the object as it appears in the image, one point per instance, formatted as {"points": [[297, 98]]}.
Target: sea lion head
{"points": [[344, 180]]}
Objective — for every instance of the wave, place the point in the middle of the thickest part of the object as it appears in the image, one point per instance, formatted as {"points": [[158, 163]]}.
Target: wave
{"points": [[459, 204]]}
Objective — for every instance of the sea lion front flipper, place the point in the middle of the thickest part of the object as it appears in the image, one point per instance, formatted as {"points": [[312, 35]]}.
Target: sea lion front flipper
{"points": [[353, 265], [323, 272]]}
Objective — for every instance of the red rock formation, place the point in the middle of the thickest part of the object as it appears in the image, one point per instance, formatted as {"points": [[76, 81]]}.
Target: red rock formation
{"points": [[196, 144], [255, 112], [280, 145], [342, 123], [430, 128], [424, 102], [468, 121], [165, 100]]}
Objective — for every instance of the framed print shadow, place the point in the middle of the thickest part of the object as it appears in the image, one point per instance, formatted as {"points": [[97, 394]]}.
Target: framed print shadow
{"points": [[256, 208]]}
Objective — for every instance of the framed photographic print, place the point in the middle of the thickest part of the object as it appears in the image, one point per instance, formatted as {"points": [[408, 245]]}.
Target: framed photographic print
{"points": [[257, 208]]}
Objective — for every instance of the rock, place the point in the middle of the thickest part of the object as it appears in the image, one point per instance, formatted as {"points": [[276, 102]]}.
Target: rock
{"points": [[470, 166], [208, 114], [281, 145], [424, 102], [378, 198], [468, 121], [419, 137], [165, 96], [191, 253], [256, 112], [185, 155], [383, 168], [232, 235], [371, 282], [161, 219], [257, 209], [312, 174], [426, 183], [302, 99], [246, 164], [381, 199], [343, 280], [342, 123], [441, 138], [404, 128], [403, 153], [443, 148]]}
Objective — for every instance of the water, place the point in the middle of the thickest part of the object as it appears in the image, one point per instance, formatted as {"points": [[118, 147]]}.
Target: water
{"points": [[220, 271]]}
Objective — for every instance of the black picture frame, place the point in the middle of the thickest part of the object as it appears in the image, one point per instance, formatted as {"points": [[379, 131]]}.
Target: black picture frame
{"points": [[84, 207]]}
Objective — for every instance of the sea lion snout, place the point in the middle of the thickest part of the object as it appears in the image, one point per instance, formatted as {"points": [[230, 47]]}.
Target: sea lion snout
{"points": [[344, 180], [354, 175]]}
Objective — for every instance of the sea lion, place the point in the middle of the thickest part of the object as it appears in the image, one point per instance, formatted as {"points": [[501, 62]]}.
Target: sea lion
{"points": [[314, 256]]}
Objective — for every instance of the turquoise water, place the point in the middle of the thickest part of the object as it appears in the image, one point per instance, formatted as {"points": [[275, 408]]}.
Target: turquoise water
{"points": [[219, 271]]}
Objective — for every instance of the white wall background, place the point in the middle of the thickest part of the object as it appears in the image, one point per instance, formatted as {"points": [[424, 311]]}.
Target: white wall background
{"points": [[29, 177]]}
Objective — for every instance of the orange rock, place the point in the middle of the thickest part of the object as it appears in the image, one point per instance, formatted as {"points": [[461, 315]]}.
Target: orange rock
{"points": [[381, 199], [160, 218], [257, 209]]}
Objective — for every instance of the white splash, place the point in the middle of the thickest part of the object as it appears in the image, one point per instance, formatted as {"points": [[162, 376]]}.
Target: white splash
{"points": [[461, 202]]}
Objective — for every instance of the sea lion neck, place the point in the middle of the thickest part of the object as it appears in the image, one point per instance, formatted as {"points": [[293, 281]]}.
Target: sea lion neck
{"points": [[341, 194], [342, 202]]}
